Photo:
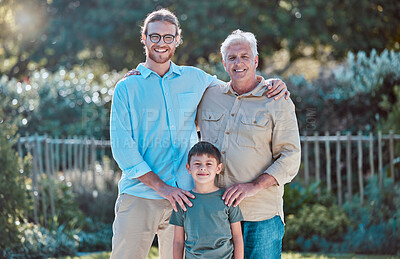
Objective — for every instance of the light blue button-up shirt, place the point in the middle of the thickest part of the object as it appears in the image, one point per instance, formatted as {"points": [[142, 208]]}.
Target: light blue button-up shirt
{"points": [[152, 126]]}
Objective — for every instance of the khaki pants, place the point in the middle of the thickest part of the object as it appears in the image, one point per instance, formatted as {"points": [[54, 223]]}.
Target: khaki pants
{"points": [[136, 222]]}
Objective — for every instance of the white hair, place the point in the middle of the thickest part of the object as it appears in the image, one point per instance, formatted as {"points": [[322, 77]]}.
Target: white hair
{"points": [[239, 36]]}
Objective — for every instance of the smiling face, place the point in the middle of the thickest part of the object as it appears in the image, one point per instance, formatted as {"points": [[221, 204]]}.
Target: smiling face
{"points": [[160, 52], [203, 169], [240, 63]]}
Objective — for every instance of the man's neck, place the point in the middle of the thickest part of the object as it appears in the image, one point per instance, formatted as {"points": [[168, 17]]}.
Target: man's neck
{"points": [[160, 68], [242, 87], [199, 188]]}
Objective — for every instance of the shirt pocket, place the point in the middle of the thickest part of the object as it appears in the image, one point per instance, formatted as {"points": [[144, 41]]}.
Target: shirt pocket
{"points": [[252, 130], [211, 126]]}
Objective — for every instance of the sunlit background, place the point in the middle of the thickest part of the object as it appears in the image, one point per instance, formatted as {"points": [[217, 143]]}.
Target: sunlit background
{"points": [[60, 60]]}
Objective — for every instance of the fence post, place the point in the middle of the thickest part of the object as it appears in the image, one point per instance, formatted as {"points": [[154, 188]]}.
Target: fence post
{"points": [[48, 173], [348, 165], [391, 153], [20, 148], [360, 173], [380, 163], [371, 154], [41, 185], [64, 158], [305, 157], [57, 152], [35, 189], [93, 162], [86, 160], [338, 170], [317, 162], [328, 162]]}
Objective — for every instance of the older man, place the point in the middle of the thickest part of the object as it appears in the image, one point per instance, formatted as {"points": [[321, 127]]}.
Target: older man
{"points": [[152, 129], [260, 143]]}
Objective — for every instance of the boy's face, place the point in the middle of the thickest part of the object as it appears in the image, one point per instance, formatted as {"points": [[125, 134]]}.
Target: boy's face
{"points": [[203, 168]]}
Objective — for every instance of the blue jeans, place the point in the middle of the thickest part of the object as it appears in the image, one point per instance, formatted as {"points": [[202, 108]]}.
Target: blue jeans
{"points": [[263, 239]]}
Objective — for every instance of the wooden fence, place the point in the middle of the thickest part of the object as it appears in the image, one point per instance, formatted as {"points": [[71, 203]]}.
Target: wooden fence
{"points": [[345, 158], [340, 164], [85, 164]]}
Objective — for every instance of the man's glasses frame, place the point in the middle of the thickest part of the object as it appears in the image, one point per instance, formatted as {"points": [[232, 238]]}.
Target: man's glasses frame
{"points": [[167, 38]]}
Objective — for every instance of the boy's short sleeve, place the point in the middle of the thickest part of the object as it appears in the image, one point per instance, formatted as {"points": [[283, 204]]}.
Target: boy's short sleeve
{"points": [[177, 217], [235, 214]]}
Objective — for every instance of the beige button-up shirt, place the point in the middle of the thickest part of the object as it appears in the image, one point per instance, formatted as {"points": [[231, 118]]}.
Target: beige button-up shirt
{"points": [[255, 135]]}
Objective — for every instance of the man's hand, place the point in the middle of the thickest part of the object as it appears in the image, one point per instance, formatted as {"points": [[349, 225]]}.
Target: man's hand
{"points": [[172, 194], [176, 195], [277, 89], [132, 72], [240, 191]]}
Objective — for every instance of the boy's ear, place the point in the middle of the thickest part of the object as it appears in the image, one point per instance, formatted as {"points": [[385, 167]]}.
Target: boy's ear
{"points": [[188, 167], [219, 168]]}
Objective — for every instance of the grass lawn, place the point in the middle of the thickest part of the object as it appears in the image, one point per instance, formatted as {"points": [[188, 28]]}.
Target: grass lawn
{"points": [[154, 255]]}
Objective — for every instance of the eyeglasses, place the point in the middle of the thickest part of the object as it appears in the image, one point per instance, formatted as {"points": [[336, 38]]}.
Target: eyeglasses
{"points": [[168, 38]]}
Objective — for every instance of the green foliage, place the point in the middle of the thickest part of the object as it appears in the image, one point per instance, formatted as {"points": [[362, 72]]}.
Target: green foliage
{"points": [[97, 237], [80, 101], [376, 224], [12, 187], [370, 228], [66, 33], [341, 98], [312, 227], [38, 242]]}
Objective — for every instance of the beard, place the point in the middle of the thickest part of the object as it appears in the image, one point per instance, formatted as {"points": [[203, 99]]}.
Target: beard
{"points": [[160, 58]]}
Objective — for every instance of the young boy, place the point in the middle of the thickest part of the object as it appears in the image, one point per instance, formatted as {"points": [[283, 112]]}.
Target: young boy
{"points": [[212, 229]]}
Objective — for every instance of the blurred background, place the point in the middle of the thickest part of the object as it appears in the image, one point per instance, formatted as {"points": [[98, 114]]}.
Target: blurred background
{"points": [[60, 60]]}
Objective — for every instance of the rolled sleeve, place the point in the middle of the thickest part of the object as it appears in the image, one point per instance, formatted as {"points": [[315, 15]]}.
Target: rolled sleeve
{"points": [[286, 149], [123, 145]]}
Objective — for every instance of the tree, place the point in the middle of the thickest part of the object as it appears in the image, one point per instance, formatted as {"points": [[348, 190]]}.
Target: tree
{"points": [[93, 32]]}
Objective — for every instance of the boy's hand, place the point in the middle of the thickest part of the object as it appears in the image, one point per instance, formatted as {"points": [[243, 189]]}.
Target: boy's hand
{"points": [[277, 89], [176, 195]]}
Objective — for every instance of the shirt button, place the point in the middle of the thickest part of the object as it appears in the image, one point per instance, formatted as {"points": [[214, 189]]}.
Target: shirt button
{"points": [[255, 122], [227, 133], [223, 152], [232, 114], [169, 109], [172, 126]]}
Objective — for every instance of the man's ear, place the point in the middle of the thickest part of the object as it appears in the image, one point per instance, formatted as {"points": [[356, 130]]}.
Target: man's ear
{"points": [[178, 38], [143, 38], [256, 61], [223, 62]]}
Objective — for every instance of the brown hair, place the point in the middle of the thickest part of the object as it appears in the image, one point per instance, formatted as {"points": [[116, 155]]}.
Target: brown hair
{"points": [[205, 148], [163, 15]]}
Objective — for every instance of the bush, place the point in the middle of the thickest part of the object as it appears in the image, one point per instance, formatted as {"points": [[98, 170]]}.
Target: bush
{"points": [[316, 228], [12, 187], [38, 242], [376, 224], [80, 102]]}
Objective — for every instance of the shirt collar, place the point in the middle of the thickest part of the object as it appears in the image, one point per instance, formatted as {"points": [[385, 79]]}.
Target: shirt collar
{"points": [[259, 90], [145, 72]]}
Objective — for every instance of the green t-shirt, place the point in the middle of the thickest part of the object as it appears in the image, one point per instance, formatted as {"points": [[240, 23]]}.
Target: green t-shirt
{"points": [[207, 226]]}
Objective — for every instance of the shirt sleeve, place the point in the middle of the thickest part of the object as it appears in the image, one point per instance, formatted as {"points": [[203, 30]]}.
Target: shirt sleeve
{"points": [[177, 217], [123, 144], [285, 143], [235, 214]]}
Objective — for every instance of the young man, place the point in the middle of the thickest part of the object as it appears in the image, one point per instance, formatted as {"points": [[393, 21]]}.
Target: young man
{"points": [[212, 229], [260, 145], [152, 129]]}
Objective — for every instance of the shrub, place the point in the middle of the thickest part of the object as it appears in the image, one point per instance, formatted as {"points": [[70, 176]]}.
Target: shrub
{"points": [[315, 228], [12, 187], [376, 224]]}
